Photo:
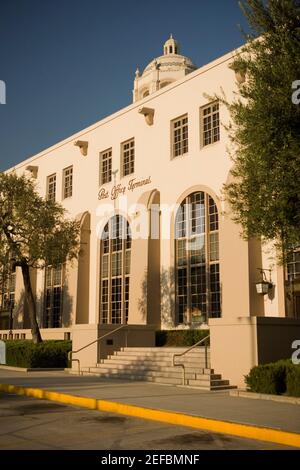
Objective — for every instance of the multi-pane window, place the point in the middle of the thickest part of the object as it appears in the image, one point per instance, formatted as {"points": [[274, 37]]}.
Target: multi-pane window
{"points": [[180, 136], [7, 297], [53, 297], [210, 124], [128, 155], [293, 266], [293, 283], [105, 166], [51, 187], [198, 291], [115, 271], [68, 182], [7, 289]]}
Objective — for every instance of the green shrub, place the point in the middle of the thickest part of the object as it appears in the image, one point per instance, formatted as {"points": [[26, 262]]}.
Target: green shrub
{"points": [[293, 381], [179, 338], [268, 378], [49, 354]]}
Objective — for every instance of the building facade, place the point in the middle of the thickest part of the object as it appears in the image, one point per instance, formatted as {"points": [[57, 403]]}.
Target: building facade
{"points": [[159, 248]]}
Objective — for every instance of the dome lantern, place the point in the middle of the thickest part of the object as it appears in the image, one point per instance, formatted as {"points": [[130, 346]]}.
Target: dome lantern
{"points": [[171, 46]]}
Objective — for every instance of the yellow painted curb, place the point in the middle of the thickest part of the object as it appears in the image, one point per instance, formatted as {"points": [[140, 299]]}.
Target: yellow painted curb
{"points": [[179, 419]]}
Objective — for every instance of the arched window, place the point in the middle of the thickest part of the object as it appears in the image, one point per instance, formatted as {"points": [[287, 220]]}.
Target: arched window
{"points": [[115, 271], [198, 293], [145, 93]]}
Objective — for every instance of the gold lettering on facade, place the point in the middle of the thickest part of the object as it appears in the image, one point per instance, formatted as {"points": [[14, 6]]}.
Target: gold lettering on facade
{"points": [[134, 183], [118, 189], [103, 194]]}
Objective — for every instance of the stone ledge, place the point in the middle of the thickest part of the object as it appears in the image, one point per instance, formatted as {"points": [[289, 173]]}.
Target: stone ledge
{"points": [[265, 396], [24, 369]]}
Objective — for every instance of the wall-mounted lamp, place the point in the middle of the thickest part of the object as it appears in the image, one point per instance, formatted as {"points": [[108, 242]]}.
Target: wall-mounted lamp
{"points": [[83, 145], [149, 115], [264, 286]]}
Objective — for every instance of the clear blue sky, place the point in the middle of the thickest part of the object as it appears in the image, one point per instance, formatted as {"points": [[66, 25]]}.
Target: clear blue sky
{"points": [[69, 63]]}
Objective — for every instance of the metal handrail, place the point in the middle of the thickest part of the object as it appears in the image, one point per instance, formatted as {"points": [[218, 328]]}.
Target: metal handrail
{"points": [[188, 350], [70, 353]]}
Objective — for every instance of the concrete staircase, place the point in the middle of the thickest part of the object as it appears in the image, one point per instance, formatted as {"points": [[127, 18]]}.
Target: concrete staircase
{"points": [[156, 365]]}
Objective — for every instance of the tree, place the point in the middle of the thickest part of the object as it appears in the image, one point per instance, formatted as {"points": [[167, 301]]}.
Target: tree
{"points": [[265, 130], [33, 234]]}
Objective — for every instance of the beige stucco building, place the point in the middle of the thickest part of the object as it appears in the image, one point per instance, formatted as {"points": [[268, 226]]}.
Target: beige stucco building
{"points": [[154, 171]]}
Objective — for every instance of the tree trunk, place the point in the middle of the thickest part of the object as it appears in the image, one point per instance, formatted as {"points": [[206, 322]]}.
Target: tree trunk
{"points": [[35, 331]]}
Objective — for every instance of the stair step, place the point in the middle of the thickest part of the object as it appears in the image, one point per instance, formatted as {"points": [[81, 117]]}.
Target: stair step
{"points": [[145, 373], [163, 349], [157, 368], [162, 352], [149, 362], [120, 359], [154, 367], [138, 378], [207, 379], [161, 356], [214, 383]]}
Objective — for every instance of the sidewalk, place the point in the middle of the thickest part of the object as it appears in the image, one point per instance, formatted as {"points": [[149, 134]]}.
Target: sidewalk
{"points": [[177, 400]]}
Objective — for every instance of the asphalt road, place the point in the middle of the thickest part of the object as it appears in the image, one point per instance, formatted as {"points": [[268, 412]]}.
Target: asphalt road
{"points": [[30, 424]]}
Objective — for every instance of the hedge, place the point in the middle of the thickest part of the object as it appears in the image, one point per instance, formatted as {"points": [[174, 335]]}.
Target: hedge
{"points": [[179, 338], [278, 378], [293, 381], [49, 354]]}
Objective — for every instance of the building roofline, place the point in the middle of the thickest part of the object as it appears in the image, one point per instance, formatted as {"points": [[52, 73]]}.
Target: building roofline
{"points": [[200, 71]]}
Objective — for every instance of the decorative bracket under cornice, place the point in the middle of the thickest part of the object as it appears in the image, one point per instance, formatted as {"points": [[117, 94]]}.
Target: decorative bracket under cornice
{"points": [[83, 146], [149, 115], [33, 170]]}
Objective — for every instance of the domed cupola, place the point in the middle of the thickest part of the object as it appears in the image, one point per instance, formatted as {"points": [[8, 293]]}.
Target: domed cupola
{"points": [[162, 71]]}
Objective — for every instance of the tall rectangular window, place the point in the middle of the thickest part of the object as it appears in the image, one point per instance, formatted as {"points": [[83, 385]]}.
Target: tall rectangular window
{"points": [[51, 187], [68, 182], [128, 154], [293, 265], [105, 166], [210, 124], [7, 288], [7, 296], [53, 297], [180, 136]]}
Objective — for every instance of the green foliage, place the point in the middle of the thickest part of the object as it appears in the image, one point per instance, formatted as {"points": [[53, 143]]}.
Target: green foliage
{"points": [[179, 337], [282, 377], [268, 378], [49, 354], [264, 192], [293, 381], [32, 229]]}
